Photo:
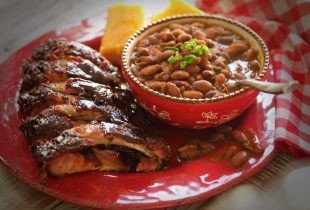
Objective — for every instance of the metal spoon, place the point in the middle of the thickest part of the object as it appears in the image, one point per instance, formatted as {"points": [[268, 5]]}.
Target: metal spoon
{"points": [[269, 87]]}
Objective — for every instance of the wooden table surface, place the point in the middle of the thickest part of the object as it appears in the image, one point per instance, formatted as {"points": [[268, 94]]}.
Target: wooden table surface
{"points": [[23, 21]]}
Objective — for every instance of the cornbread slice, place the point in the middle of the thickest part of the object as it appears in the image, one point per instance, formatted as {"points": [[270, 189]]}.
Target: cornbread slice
{"points": [[122, 22], [177, 7]]}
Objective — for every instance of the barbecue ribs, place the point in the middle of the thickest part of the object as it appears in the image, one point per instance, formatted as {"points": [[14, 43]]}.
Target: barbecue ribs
{"points": [[79, 115]]}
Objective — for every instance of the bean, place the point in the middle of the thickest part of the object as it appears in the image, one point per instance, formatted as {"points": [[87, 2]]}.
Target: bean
{"points": [[200, 42], [189, 152], [220, 30], [178, 45], [257, 149], [132, 59], [226, 56], [144, 61], [167, 54], [166, 36], [209, 67], [239, 136], [225, 39], [167, 44], [198, 77], [144, 42], [150, 70], [175, 66], [172, 89], [231, 86], [156, 54], [211, 93], [236, 48], [179, 75], [153, 39], [177, 32], [224, 89], [184, 37], [207, 74], [157, 86], [184, 84], [140, 79], [251, 53], [210, 56], [198, 25], [192, 94], [196, 61], [239, 68], [143, 51], [238, 159], [204, 61], [191, 79], [165, 67], [230, 152], [226, 72], [216, 85], [227, 33], [192, 69], [239, 76], [253, 75], [210, 43], [186, 52], [254, 65], [202, 86], [220, 78], [165, 30], [252, 144], [163, 76], [215, 137], [214, 56], [211, 33], [254, 148], [199, 34], [135, 70], [219, 94], [221, 64], [179, 26]]}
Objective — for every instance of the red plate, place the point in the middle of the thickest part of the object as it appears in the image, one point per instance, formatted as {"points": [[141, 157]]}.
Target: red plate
{"points": [[177, 185]]}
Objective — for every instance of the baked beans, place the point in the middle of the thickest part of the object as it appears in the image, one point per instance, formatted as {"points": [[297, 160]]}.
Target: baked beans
{"points": [[235, 146], [208, 59]]}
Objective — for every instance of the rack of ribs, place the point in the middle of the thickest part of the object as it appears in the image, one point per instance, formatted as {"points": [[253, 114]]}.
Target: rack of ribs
{"points": [[80, 116]]}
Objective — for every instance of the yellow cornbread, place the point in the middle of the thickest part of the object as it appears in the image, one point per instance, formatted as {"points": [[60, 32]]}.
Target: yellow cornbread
{"points": [[122, 22], [177, 7]]}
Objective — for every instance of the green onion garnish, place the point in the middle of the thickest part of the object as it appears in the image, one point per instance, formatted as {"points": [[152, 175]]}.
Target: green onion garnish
{"points": [[188, 59], [172, 59], [201, 50], [189, 45], [192, 45], [217, 69]]}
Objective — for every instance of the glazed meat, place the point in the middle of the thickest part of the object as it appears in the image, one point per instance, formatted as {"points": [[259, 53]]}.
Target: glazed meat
{"points": [[80, 116], [71, 90], [38, 72], [95, 160], [102, 134], [54, 49]]}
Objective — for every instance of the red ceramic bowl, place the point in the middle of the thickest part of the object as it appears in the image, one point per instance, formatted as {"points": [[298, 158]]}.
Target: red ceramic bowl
{"points": [[195, 113]]}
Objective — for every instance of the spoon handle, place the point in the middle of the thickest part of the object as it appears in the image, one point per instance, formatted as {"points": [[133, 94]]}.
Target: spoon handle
{"points": [[269, 87]]}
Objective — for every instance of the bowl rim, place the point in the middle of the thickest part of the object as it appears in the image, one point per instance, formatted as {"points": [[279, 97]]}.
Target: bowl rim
{"points": [[131, 40]]}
